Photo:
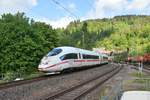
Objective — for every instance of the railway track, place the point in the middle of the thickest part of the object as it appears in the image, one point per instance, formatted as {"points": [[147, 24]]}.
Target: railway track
{"points": [[21, 82], [145, 69], [80, 90], [27, 81]]}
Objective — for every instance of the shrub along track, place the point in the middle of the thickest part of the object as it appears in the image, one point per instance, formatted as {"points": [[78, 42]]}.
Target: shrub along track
{"points": [[80, 90]]}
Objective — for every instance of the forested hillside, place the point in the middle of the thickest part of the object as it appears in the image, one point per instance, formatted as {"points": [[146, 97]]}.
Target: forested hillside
{"points": [[118, 33], [23, 42]]}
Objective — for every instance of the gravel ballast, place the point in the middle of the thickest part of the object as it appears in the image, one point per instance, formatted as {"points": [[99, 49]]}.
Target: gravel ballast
{"points": [[40, 89]]}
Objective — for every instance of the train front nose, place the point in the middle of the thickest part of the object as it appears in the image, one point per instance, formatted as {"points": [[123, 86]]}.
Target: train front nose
{"points": [[45, 62], [48, 65], [47, 68], [42, 67]]}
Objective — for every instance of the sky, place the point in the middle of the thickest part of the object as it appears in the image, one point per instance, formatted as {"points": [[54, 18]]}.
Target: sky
{"points": [[54, 14]]}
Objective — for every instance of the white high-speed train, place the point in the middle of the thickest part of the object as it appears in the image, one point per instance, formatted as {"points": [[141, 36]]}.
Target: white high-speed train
{"points": [[62, 58]]}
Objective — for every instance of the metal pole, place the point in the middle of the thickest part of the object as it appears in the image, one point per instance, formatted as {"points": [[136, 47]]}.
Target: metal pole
{"points": [[83, 39]]}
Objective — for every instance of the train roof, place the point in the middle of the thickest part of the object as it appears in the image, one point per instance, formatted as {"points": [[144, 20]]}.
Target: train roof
{"points": [[136, 95], [83, 51], [104, 55]]}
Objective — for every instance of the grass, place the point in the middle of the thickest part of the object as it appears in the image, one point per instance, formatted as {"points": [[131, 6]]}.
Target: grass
{"points": [[142, 79], [26, 76], [33, 75], [110, 92], [138, 75], [2, 81]]}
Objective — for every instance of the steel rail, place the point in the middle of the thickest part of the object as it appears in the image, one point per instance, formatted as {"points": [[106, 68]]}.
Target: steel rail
{"points": [[60, 93]]}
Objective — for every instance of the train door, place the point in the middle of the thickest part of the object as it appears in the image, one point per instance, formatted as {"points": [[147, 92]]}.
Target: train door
{"points": [[101, 61], [79, 61]]}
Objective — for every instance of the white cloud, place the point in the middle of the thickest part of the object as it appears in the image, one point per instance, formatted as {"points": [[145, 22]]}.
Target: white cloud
{"points": [[106, 8], [72, 6], [34, 2], [110, 8], [139, 4], [60, 23], [13, 6]]}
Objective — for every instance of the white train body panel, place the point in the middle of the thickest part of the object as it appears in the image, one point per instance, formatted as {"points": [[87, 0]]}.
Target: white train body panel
{"points": [[62, 58]]}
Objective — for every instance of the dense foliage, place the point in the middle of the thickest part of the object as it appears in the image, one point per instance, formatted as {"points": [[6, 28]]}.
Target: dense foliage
{"points": [[119, 33], [23, 43]]}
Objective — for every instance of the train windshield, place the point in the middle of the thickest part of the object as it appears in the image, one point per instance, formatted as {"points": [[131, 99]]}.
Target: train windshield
{"points": [[54, 52]]}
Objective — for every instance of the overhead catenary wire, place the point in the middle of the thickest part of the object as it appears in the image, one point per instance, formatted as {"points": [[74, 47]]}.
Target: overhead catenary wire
{"points": [[67, 10]]}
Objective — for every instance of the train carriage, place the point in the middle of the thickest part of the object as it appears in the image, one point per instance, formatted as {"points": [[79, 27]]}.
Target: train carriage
{"points": [[62, 58]]}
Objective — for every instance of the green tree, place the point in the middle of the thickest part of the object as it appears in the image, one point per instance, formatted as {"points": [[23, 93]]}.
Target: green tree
{"points": [[24, 42]]}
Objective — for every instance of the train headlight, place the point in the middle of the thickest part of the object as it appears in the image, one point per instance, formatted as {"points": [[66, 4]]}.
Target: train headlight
{"points": [[46, 63]]}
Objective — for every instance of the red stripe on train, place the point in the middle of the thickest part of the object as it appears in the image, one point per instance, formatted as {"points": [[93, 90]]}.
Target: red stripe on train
{"points": [[57, 64], [74, 61], [86, 60]]}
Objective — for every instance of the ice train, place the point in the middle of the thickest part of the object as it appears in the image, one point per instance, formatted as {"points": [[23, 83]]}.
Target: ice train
{"points": [[63, 58]]}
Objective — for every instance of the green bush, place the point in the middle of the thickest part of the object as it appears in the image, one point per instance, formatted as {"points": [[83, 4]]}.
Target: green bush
{"points": [[9, 76], [23, 43]]}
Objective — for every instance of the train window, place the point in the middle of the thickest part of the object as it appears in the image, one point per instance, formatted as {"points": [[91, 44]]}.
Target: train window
{"points": [[54, 52], [85, 56], [69, 56], [105, 57], [79, 56]]}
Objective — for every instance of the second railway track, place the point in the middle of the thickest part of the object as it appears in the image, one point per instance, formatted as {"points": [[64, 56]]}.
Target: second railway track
{"points": [[145, 69], [80, 90]]}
